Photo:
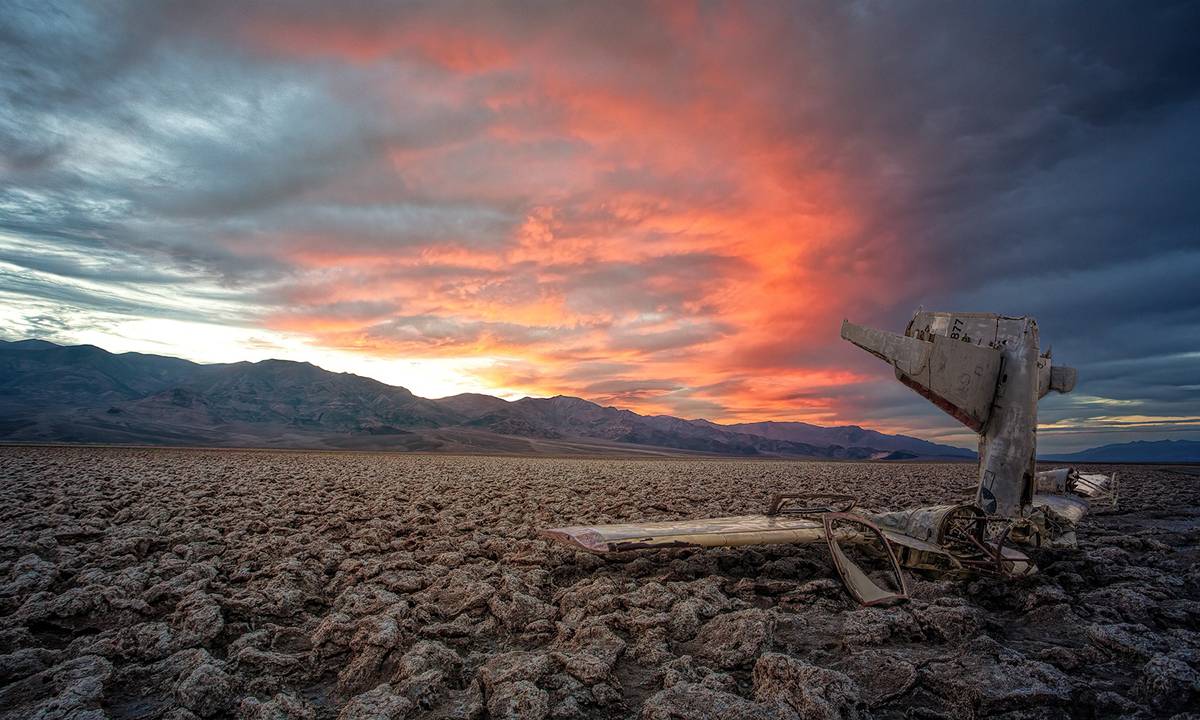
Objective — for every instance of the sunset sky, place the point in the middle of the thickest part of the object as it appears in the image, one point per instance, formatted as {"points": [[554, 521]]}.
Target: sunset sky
{"points": [[667, 207]]}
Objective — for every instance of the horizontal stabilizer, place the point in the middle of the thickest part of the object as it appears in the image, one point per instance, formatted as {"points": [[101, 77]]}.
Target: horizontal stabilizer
{"points": [[959, 377], [1062, 378], [908, 355]]}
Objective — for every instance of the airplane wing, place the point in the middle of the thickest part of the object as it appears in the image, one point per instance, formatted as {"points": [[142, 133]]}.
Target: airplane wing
{"points": [[940, 537], [713, 532], [832, 528]]}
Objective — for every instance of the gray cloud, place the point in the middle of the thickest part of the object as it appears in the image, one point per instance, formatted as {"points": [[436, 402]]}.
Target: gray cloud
{"points": [[448, 331]]}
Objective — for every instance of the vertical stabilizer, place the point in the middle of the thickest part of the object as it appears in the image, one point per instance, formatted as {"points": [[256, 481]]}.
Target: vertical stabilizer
{"points": [[984, 370]]}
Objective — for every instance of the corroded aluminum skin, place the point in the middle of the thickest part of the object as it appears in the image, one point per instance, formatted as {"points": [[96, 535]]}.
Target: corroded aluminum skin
{"points": [[927, 524], [1009, 440], [921, 536], [917, 534]]}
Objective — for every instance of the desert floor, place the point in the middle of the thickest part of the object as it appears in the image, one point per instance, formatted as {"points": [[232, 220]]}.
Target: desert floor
{"points": [[184, 583]]}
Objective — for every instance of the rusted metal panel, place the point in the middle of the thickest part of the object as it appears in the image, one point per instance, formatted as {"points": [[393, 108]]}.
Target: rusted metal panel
{"points": [[908, 355], [964, 376], [982, 329], [1006, 458]]}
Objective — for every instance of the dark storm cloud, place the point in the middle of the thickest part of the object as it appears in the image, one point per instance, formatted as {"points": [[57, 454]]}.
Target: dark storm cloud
{"points": [[1046, 155], [130, 127], [137, 130], [351, 230]]}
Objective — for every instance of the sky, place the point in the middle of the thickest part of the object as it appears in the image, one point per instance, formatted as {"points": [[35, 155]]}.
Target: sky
{"points": [[663, 206]]}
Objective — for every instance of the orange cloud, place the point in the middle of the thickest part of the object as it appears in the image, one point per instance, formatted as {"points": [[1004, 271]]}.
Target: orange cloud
{"points": [[654, 206]]}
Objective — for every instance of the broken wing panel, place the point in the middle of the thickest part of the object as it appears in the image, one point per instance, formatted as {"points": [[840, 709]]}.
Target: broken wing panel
{"points": [[1071, 483], [1052, 481], [832, 528], [1097, 487], [1071, 507], [715, 532]]}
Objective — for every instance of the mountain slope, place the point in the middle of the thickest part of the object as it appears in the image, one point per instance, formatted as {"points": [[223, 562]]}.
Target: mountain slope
{"points": [[848, 435], [52, 393], [36, 371], [562, 416]]}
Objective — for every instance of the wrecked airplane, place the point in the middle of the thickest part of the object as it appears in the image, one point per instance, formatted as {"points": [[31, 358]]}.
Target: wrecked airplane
{"points": [[986, 371]]}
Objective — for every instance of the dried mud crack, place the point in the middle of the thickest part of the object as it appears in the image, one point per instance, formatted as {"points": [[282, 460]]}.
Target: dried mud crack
{"points": [[212, 584]]}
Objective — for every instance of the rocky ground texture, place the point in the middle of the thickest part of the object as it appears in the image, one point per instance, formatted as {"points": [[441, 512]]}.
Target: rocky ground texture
{"points": [[211, 584]]}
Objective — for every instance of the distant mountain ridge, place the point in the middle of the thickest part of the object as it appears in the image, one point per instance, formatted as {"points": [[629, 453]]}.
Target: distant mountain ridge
{"points": [[1165, 451], [84, 394]]}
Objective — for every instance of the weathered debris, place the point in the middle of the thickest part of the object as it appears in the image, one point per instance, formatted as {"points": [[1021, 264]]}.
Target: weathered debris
{"points": [[986, 371]]}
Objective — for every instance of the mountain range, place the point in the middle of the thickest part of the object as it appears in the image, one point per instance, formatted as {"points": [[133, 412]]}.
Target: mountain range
{"points": [[84, 394], [1152, 451]]}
